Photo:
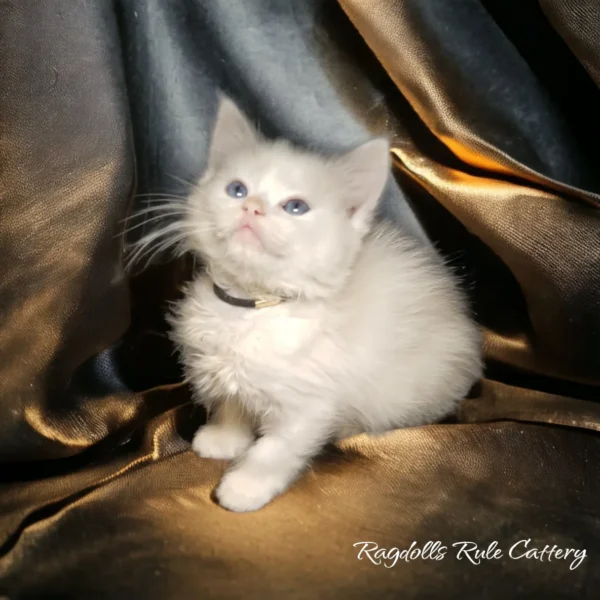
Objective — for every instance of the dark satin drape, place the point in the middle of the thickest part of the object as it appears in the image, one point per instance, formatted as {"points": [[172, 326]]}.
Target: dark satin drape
{"points": [[492, 109]]}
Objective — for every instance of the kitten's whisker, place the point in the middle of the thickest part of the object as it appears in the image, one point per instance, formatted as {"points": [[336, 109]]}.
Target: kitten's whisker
{"points": [[162, 194], [174, 242], [145, 222], [164, 200], [165, 210], [180, 180], [152, 252], [169, 218], [151, 237], [152, 216], [162, 205], [175, 232]]}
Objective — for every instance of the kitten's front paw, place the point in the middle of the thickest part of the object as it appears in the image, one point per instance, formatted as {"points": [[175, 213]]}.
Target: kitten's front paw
{"points": [[221, 441], [242, 492]]}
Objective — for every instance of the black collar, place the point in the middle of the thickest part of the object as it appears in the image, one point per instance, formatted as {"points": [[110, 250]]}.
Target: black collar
{"points": [[221, 294]]}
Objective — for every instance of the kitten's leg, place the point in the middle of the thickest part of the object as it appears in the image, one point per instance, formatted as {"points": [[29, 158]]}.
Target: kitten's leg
{"points": [[227, 435], [273, 462]]}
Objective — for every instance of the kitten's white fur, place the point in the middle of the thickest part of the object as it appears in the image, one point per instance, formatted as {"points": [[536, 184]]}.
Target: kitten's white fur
{"points": [[374, 334]]}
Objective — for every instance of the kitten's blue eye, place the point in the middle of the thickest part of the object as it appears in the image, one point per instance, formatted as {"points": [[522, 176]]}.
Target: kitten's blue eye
{"points": [[236, 189], [296, 207]]}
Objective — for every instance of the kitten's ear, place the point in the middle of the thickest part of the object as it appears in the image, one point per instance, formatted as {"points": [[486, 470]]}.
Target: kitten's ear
{"points": [[232, 131], [366, 170]]}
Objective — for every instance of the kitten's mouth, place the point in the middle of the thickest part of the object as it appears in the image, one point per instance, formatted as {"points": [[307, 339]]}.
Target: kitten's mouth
{"points": [[249, 235]]}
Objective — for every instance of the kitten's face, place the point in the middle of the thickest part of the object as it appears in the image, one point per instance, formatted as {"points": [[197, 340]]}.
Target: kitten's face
{"points": [[271, 218]]}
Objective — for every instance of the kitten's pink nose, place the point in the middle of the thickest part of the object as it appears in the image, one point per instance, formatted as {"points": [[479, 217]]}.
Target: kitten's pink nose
{"points": [[254, 206]]}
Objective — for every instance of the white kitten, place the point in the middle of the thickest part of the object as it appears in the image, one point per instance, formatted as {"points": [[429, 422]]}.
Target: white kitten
{"points": [[371, 332]]}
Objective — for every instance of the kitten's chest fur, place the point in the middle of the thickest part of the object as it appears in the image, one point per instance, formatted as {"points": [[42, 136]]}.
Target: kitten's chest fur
{"points": [[241, 352]]}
